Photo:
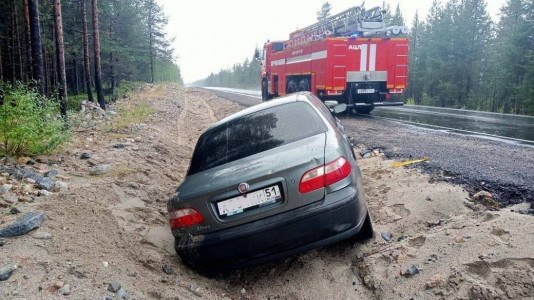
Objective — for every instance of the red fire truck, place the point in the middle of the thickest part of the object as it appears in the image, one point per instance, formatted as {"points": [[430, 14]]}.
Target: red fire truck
{"points": [[351, 57]]}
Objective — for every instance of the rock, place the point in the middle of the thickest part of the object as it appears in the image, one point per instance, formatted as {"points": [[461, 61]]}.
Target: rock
{"points": [[6, 271], [41, 235], [105, 264], [243, 291], [29, 180], [434, 281], [29, 173], [85, 155], [65, 290], [51, 174], [59, 285], [2, 243], [114, 287], [60, 185], [168, 270], [412, 270], [23, 224], [367, 155], [108, 298], [482, 194], [122, 294], [364, 152], [134, 185], [13, 211], [23, 160], [100, 170], [119, 146], [45, 183], [459, 240], [429, 197], [44, 193], [25, 199], [386, 236], [5, 188], [10, 198], [41, 166]]}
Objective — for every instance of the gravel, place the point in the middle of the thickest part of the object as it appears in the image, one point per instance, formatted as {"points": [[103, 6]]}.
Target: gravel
{"points": [[502, 168]]}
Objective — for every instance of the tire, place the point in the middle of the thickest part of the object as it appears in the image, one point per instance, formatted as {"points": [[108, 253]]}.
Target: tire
{"points": [[364, 110], [366, 232], [265, 96], [304, 85], [291, 87]]}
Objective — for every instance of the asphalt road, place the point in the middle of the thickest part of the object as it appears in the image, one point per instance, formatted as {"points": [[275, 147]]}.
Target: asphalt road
{"points": [[504, 167]]}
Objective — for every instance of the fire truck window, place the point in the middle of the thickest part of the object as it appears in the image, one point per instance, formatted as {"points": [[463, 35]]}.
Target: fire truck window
{"points": [[278, 47]]}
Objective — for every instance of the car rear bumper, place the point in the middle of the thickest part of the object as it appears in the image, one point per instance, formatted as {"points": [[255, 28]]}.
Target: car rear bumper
{"points": [[339, 216]]}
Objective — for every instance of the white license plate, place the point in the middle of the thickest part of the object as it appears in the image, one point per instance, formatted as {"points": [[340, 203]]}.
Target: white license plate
{"points": [[366, 91], [252, 200]]}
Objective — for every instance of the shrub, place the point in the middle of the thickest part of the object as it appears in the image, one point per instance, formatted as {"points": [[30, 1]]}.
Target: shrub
{"points": [[29, 123]]}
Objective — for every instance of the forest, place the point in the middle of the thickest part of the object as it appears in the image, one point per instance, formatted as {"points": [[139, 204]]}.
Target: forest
{"points": [[84, 47], [459, 57]]}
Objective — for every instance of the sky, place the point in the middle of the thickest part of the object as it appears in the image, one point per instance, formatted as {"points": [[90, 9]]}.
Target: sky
{"points": [[215, 34]]}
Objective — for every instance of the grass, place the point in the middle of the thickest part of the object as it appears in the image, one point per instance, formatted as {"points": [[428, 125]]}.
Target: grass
{"points": [[122, 171], [134, 111]]}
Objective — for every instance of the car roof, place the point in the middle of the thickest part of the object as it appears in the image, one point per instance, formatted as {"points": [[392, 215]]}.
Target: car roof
{"points": [[301, 96]]}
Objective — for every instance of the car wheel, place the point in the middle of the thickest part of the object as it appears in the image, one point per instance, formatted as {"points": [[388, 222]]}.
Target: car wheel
{"points": [[366, 232]]}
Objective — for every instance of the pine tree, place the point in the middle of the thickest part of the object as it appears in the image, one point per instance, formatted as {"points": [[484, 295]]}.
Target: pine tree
{"points": [[324, 12]]}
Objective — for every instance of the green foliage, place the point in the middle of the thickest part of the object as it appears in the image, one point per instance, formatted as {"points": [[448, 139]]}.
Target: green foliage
{"points": [[459, 58], [29, 124], [241, 75], [410, 101], [324, 12]]}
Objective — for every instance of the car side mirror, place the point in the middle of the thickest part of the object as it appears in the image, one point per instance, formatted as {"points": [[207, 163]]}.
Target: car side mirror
{"points": [[340, 108]]}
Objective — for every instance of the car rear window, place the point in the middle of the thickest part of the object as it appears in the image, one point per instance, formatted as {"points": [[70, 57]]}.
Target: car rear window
{"points": [[255, 133]]}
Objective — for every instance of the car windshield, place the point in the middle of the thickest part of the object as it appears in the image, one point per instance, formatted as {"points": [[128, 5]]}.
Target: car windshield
{"points": [[255, 133]]}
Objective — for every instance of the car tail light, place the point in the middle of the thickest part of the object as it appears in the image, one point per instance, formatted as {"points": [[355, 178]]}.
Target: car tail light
{"points": [[184, 217], [325, 175]]}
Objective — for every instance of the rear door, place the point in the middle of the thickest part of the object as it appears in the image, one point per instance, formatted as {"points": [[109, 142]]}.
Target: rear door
{"points": [[269, 151]]}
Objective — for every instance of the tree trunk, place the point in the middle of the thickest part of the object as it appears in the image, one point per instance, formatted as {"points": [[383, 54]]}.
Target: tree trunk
{"points": [[20, 69], [37, 54], [151, 39], [1, 67], [96, 44], [86, 63], [76, 74], [28, 36], [111, 64], [60, 46]]}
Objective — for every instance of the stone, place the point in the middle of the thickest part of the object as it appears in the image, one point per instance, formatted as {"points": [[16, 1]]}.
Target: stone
{"points": [[10, 198], [59, 285], [134, 185], [108, 298], [41, 166], [459, 240], [168, 270], [122, 294], [367, 155], [386, 236], [2, 243], [45, 183], [105, 264], [243, 291], [429, 197], [51, 174], [433, 281], [42, 235], [65, 290], [119, 146], [29, 180], [25, 199], [23, 160], [13, 211], [24, 224], [6, 271], [100, 170], [44, 193], [60, 185], [29, 173], [412, 270], [114, 287], [85, 155], [5, 188]]}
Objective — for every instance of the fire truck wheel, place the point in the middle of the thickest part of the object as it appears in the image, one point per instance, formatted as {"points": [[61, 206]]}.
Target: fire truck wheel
{"points": [[264, 91], [292, 87], [304, 85]]}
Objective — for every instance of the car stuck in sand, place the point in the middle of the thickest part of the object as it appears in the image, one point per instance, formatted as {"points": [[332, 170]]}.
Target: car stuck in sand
{"points": [[268, 182]]}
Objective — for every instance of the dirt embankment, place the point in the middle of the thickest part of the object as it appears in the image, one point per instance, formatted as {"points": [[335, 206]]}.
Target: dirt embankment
{"points": [[113, 227]]}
